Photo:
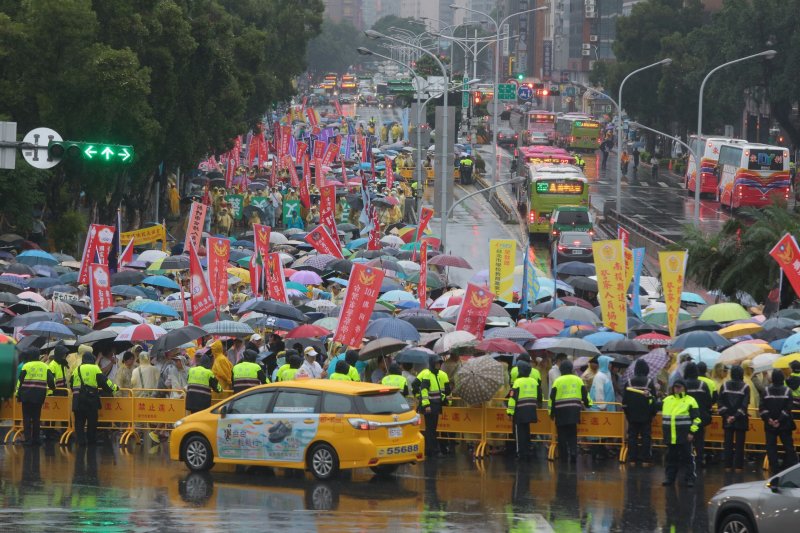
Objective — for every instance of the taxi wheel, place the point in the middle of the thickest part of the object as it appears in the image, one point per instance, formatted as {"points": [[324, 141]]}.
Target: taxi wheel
{"points": [[197, 454], [323, 461], [384, 470]]}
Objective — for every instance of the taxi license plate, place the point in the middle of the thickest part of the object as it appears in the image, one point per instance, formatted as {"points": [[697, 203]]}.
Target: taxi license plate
{"points": [[395, 432]]}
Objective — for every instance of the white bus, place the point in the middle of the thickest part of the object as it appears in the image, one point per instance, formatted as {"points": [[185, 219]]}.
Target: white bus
{"points": [[707, 149], [752, 174]]}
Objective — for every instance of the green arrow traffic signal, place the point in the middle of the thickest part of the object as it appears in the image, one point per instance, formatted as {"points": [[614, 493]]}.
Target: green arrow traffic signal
{"points": [[107, 152], [89, 151]]}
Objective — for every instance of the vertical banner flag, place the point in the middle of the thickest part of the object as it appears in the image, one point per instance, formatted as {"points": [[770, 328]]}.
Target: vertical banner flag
{"points": [[312, 117], [530, 292], [202, 302], [389, 172], [319, 150], [327, 211], [99, 288], [425, 215], [194, 230], [362, 292], [275, 286], [116, 247], [338, 106], [255, 266], [638, 262], [474, 310], [673, 266], [286, 135], [319, 174], [95, 249], [628, 267], [374, 242], [322, 242], [294, 181], [422, 286], [261, 234], [502, 255], [330, 154], [305, 184], [127, 254], [624, 235], [218, 251], [609, 259], [787, 254], [302, 150]]}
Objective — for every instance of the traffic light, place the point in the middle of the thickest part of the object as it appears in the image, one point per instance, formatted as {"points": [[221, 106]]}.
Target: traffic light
{"points": [[520, 77], [88, 151], [555, 91], [477, 97]]}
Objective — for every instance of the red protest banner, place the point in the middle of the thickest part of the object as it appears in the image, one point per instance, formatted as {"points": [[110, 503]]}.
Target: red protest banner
{"points": [[327, 212], [302, 150], [389, 172], [255, 273], [202, 301], [286, 135], [375, 233], [330, 154], [194, 230], [95, 249], [474, 310], [319, 150], [362, 292], [100, 288], [218, 252], [422, 286], [625, 236], [338, 106], [312, 117], [319, 173], [305, 195], [276, 288], [261, 235], [293, 179], [263, 150], [787, 254], [424, 217], [322, 242]]}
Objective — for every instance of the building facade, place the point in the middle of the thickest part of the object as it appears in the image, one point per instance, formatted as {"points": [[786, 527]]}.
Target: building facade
{"points": [[345, 11]]}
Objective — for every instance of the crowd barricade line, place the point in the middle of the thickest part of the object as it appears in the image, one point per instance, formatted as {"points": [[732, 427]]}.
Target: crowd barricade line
{"points": [[56, 409], [149, 411], [9, 411], [116, 414], [461, 423], [596, 427]]}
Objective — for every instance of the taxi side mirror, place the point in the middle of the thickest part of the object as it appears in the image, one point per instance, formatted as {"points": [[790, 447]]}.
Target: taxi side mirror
{"points": [[773, 484]]}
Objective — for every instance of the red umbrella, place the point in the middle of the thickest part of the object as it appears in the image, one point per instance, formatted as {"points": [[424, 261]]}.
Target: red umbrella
{"points": [[500, 345], [450, 261], [552, 322], [307, 331], [654, 339], [539, 329], [580, 302]]}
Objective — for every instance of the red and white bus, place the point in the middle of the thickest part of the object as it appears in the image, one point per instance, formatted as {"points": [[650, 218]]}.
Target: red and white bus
{"points": [[538, 155], [707, 149], [540, 127], [752, 174]]}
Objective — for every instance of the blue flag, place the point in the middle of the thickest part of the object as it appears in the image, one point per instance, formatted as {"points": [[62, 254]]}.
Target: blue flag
{"points": [[638, 262]]}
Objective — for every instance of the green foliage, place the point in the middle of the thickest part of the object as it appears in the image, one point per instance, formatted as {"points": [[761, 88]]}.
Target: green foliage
{"points": [[66, 231], [427, 66], [411, 24], [19, 195]]}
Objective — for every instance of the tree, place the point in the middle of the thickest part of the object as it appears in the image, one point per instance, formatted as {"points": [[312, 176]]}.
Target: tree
{"points": [[427, 66], [410, 24]]}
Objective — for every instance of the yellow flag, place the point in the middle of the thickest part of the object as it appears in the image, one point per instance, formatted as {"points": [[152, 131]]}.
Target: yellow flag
{"points": [[502, 256], [609, 260], [673, 267]]}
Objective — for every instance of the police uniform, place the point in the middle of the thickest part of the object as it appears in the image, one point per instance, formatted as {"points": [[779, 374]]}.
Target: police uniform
{"points": [[567, 397], [247, 374], [394, 380], [680, 418], [34, 380], [699, 390], [86, 382], [434, 387], [523, 401], [465, 169], [638, 403], [734, 399], [776, 406], [200, 383], [336, 376], [793, 382]]}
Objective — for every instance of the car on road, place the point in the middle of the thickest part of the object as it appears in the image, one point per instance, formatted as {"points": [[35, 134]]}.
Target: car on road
{"points": [[574, 246], [507, 137], [757, 506], [537, 138], [387, 102], [317, 424], [571, 218]]}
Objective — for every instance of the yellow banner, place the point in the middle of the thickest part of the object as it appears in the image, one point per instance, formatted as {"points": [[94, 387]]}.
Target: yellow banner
{"points": [[609, 260], [146, 236], [628, 268], [502, 256], [673, 266]]}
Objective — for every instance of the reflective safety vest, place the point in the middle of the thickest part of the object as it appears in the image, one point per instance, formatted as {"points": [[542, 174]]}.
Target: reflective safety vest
{"points": [[432, 387], [568, 401], [523, 395], [353, 373], [245, 375], [395, 380], [288, 374], [58, 374], [34, 386], [336, 376], [712, 387], [534, 374], [680, 415], [281, 371], [199, 381], [795, 392]]}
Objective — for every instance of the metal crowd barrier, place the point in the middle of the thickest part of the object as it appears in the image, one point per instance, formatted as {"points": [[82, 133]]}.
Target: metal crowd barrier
{"points": [[57, 409]]}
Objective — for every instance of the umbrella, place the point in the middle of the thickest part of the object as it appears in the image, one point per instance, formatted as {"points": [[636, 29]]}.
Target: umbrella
{"points": [[739, 330], [706, 355], [381, 347], [656, 360], [779, 322], [127, 277], [580, 302], [157, 308], [32, 296], [36, 257], [140, 332], [229, 328], [20, 321], [150, 256], [724, 312], [740, 352], [415, 356], [48, 329], [574, 347], [479, 379], [699, 339], [576, 268], [423, 323], [500, 345], [42, 283], [101, 335], [392, 240], [790, 345], [392, 327], [161, 281], [19, 269], [654, 339], [343, 266], [764, 362], [786, 360], [656, 313], [8, 298], [692, 298], [582, 284], [454, 340], [538, 329], [306, 277], [793, 313], [398, 296], [697, 325], [174, 262], [623, 346], [307, 331], [178, 337], [514, 334], [272, 308], [602, 338], [448, 299], [575, 314], [773, 334], [453, 261]]}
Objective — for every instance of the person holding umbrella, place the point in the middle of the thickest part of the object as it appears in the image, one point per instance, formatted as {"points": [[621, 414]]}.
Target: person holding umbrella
{"points": [[567, 396], [434, 388], [523, 400], [34, 380]]}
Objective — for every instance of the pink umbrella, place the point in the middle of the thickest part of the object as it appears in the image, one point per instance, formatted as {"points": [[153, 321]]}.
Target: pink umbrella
{"points": [[450, 261], [141, 332], [32, 296], [306, 277]]}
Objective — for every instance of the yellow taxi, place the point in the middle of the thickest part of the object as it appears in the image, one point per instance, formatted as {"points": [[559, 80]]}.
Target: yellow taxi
{"points": [[314, 424]]}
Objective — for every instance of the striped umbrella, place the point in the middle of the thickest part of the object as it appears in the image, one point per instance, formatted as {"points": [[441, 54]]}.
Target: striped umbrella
{"points": [[515, 334], [141, 332], [229, 328]]}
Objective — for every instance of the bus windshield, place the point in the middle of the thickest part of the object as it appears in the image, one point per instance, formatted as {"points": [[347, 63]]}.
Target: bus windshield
{"points": [[561, 187]]}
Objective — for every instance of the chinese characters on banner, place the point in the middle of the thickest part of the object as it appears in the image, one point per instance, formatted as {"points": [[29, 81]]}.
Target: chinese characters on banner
{"points": [[236, 203], [255, 266], [305, 195], [322, 242], [146, 236], [362, 292], [787, 254], [294, 181], [422, 287], [276, 288], [96, 248], [319, 174], [261, 235], [628, 267], [327, 212], [100, 288], [202, 302], [625, 236], [389, 172], [312, 117], [673, 266], [286, 136], [530, 285], [330, 154], [374, 242], [424, 217], [319, 150], [194, 230], [609, 259], [474, 310], [218, 251], [502, 255]]}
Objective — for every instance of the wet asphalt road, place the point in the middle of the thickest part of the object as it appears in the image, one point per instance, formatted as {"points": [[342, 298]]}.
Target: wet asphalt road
{"points": [[108, 489]]}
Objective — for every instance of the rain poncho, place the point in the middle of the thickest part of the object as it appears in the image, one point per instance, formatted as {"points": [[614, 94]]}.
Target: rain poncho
{"points": [[222, 368], [602, 388], [145, 376]]}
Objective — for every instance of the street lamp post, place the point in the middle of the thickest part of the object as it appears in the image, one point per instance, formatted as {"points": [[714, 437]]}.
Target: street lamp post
{"points": [[495, 112], [769, 54], [666, 61]]}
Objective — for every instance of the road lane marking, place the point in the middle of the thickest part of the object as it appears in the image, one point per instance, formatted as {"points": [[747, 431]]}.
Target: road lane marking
{"points": [[663, 184]]}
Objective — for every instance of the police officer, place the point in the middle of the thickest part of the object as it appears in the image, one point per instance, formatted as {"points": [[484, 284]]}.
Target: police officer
{"points": [[86, 382], [525, 359], [638, 403], [776, 412], [567, 396], [59, 367], [434, 388], [698, 389], [341, 372], [200, 383], [793, 382], [395, 379], [352, 358], [734, 399], [247, 373], [680, 421], [465, 169], [288, 371], [34, 380], [523, 400]]}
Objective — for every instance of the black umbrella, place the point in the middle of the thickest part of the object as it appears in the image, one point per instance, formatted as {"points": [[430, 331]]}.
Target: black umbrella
{"points": [[8, 298], [31, 341], [96, 336], [175, 262], [19, 268], [426, 324], [576, 268], [277, 309], [178, 337], [343, 266], [79, 329], [699, 339], [779, 322], [20, 321], [582, 284], [773, 334], [414, 356], [379, 347], [26, 306], [7, 286], [127, 277], [624, 346], [215, 175], [649, 328], [697, 325], [248, 211]]}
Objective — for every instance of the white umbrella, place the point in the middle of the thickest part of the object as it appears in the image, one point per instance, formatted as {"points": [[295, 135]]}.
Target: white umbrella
{"points": [[763, 362], [393, 240], [151, 256], [452, 340], [277, 238], [574, 347]]}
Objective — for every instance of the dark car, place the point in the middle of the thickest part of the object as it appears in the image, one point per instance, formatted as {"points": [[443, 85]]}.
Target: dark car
{"points": [[574, 246], [507, 137]]}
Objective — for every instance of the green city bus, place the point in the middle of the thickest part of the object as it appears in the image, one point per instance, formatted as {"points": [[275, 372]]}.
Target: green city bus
{"points": [[578, 132], [551, 186]]}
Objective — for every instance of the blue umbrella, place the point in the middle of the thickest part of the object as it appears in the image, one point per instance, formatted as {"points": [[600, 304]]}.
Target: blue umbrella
{"points": [[778, 345], [48, 329], [699, 339], [43, 283], [244, 244], [341, 281], [398, 296], [36, 257], [600, 338], [69, 289], [394, 328], [791, 344], [706, 355], [45, 271], [547, 284], [389, 285], [357, 243], [161, 281], [12, 280], [408, 305], [128, 291], [272, 322], [692, 298], [69, 277], [157, 308]]}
